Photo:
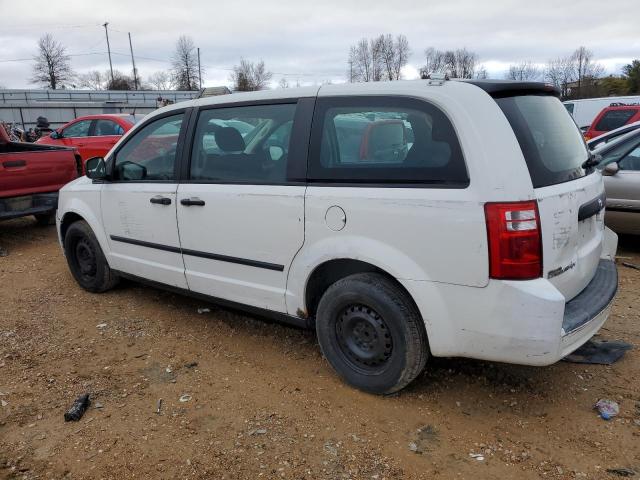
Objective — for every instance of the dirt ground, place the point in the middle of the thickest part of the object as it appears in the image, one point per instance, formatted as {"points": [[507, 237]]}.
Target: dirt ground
{"points": [[262, 402]]}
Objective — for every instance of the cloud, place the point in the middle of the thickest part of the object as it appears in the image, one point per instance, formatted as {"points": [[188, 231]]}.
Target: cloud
{"points": [[307, 41]]}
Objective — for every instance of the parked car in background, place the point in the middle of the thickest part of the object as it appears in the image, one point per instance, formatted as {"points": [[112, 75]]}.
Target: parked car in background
{"points": [[399, 219], [585, 110], [615, 116], [30, 177], [620, 165], [92, 135], [612, 135]]}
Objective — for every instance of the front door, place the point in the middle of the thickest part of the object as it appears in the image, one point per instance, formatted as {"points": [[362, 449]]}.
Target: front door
{"points": [[139, 204], [240, 212], [623, 190]]}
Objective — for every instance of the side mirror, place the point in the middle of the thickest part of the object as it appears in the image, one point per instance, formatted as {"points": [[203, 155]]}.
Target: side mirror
{"points": [[96, 168], [276, 152], [56, 135], [610, 169]]}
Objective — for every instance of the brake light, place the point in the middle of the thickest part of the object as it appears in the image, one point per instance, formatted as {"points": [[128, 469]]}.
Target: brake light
{"points": [[515, 243]]}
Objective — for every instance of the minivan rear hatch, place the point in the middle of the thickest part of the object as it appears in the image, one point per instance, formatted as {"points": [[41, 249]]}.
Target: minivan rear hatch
{"points": [[570, 199]]}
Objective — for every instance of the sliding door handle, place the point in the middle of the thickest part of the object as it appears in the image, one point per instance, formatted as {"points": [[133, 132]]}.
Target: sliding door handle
{"points": [[194, 201], [160, 200]]}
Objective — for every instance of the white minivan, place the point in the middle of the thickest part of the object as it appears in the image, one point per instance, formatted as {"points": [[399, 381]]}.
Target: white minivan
{"points": [[398, 219]]}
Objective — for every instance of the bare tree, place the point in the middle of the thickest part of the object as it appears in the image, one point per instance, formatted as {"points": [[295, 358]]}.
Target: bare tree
{"points": [[525, 70], [160, 80], [184, 63], [53, 65], [120, 81], [283, 83], [249, 76], [379, 58], [560, 73], [460, 63], [585, 69], [481, 73], [92, 80]]}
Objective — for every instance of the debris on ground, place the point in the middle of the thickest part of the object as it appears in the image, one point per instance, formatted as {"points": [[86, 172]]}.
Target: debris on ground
{"points": [[185, 398], [601, 352], [4, 252], [3, 403], [607, 408], [191, 365], [78, 408], [258, 431], [204, 310], [101, 325], [622, 472], [159, 406], [478, 456], [631, 265]]}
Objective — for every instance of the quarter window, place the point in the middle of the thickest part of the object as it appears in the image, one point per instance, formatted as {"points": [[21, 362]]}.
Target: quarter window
{"points": [[78, 129], [385, 140], [151, 153], [243, 144]]}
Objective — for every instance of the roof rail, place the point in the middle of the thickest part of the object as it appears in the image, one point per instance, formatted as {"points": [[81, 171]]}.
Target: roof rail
{"points": [[621, 104]]}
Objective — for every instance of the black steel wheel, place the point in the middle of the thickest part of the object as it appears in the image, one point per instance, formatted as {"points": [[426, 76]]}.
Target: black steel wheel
{"points": [[371, 333], [86, 261]]}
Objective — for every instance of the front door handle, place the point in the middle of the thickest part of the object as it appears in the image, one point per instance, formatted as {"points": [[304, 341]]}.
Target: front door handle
{"points": [[161, 200], [195, 201]]}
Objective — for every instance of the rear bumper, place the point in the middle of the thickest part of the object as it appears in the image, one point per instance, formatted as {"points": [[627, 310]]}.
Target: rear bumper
{"points": [[527, 323], [38, 203]]}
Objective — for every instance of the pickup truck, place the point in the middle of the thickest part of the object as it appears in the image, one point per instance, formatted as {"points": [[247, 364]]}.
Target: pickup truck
{"points": [[30, 177]]}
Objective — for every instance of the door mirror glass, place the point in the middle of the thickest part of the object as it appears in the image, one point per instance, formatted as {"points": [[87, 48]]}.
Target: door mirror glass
{"points": [[131, 171], [95, 168], [610, 169], [276, 152]]}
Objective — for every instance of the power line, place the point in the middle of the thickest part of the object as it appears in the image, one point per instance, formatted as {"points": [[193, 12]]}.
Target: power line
{"points": [[68, 55]]}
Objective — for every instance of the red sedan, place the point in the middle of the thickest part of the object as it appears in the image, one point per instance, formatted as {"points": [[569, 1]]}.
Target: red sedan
{"points": [[92, 135]]}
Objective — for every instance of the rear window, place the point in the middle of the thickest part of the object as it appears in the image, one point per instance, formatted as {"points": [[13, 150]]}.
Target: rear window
{"points": [[614, 119], [551, 143]]}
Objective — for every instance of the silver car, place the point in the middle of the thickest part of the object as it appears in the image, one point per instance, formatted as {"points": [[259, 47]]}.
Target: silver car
{"points": [[620, 165]]}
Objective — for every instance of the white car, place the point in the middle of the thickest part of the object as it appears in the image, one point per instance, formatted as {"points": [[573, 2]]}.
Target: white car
{"points": [[400, 219]]}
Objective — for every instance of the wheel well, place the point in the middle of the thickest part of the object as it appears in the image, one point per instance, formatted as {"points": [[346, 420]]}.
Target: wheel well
{"points": [[67, 220], [330, 272]]}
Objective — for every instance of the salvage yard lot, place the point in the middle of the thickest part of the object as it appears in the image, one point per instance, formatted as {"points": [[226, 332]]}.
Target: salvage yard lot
{"points": [[263, 402]]}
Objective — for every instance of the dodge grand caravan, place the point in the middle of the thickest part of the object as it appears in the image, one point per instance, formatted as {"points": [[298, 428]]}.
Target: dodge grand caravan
{"points": [[399, 219]]}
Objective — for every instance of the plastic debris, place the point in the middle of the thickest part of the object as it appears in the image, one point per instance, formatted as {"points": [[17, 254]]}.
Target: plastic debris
{"points": [[78, 408], [101, 325], [478, 456], [185, 398], [607, 408], [601, 352], [3, 403], [203, 310], [159, 406], [622, 471]]}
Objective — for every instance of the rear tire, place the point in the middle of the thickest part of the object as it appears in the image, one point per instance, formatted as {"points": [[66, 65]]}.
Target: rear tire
{"points": [[45, 219], [86, 260], [371, 333]]}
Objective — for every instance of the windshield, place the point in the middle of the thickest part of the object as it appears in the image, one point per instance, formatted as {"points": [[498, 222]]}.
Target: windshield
{"points": [[551, 143]]}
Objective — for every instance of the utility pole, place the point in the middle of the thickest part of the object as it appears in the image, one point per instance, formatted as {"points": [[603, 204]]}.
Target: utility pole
{"points": [[133, 62], [108, 49], [199, 70]]}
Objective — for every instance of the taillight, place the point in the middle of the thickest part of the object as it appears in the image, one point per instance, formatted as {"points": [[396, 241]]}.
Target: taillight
{"points": [[515, 243]]}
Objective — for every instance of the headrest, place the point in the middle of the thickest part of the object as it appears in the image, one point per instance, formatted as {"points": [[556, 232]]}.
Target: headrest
{"points": [[229, 139]]}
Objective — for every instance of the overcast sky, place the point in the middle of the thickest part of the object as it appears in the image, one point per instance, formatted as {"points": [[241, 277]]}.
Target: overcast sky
{"points": [[309, 40]]}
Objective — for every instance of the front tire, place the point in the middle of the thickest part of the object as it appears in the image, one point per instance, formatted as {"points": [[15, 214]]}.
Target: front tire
{"points": [[86, 260], [371, 333]]}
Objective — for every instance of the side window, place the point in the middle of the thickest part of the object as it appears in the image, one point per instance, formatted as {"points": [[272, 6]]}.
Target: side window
{"points": [[385, 140], [78, 129], [243, 144], [150, 154], [631, 161], [107, 127], [614, 119]]}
